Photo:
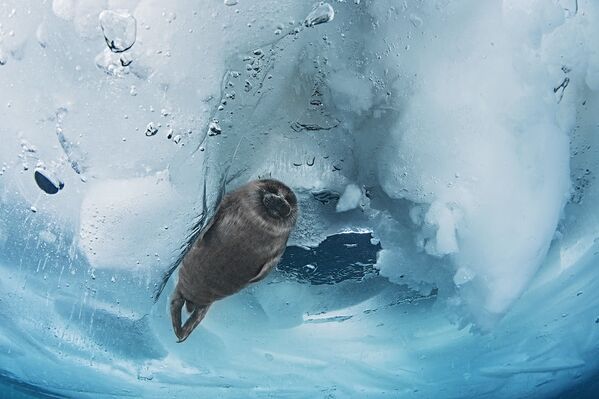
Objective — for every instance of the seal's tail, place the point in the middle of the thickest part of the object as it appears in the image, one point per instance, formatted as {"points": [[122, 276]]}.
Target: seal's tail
{"points": [[199, 311]]}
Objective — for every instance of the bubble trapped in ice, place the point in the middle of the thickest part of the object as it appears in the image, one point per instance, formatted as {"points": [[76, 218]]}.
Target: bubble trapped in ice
{"points": [[47, 181], [151, 129], [119, 29], [320, 14]]}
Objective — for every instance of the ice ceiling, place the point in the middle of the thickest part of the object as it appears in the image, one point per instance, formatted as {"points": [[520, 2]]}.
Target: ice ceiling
{"points": [[444, 154]]}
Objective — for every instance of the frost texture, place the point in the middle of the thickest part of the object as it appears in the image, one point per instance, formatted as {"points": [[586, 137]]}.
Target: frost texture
{"points": [[456, 141]]}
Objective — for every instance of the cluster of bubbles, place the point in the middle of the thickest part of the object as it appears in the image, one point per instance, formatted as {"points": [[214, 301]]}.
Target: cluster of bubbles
{"points": [[120, 31]]}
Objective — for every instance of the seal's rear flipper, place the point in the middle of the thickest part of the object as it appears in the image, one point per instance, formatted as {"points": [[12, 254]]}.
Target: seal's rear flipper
{"points": [[199, 311], [177, 302], [192, 322]]}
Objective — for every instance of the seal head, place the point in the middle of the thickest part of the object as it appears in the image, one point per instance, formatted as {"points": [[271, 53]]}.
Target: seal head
{"points": [[278, 199]]}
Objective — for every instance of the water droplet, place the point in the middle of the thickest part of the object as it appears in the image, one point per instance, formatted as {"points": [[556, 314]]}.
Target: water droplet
{"points": [[170, 17], [415, 20], [119, 29], [321, 13], [45, 180], [177, 139], [41, 34], [33, 209]]}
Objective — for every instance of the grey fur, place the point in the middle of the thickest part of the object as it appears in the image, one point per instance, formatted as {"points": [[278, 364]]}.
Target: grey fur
{"points": [[244, 241]]}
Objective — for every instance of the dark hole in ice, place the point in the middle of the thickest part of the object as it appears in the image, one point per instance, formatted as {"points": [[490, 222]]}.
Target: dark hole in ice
{"points": [[346, 256], [48, 183]]}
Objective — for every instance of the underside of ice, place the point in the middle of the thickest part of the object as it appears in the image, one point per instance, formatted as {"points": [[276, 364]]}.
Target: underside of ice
{"points": [[444, 155]]}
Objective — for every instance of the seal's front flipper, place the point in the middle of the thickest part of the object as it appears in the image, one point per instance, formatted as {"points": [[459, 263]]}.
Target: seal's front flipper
{"points": [[266, 269], [192, 322]]}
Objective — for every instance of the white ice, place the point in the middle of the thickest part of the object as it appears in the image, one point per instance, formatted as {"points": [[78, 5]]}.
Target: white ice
{"points": [[350, 199]]}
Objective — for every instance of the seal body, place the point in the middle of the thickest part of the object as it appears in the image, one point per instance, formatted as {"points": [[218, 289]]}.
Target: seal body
{"points": [[244, 241]]}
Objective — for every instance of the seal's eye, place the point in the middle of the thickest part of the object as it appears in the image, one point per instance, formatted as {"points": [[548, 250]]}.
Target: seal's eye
{"points": [[276, 205]]}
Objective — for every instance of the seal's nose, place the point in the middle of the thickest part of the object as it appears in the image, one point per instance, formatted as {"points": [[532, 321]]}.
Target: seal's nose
{"points": [[276, 204]]}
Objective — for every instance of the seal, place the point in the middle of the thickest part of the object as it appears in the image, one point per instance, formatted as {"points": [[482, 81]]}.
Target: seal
{"points": [[244, 240]]}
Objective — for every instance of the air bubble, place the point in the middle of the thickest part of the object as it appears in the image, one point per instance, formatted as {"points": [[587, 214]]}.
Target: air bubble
{"points": [[415, 20], [119, 29], [151, 129], [126, 60], [47, 182], [214, 128], [41, 34], [320, 14]]}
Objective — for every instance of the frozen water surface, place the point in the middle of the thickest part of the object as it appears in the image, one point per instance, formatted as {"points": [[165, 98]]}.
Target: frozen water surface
{"points": [[444, 154]]}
